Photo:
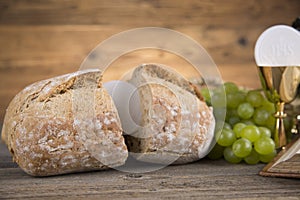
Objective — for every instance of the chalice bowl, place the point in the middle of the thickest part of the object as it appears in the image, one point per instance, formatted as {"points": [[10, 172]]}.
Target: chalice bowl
{"points": [[277, 55]]}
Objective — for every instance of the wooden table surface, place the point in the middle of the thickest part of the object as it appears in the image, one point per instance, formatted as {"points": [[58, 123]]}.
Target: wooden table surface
{"points": [[204, 179], [42, 39]]}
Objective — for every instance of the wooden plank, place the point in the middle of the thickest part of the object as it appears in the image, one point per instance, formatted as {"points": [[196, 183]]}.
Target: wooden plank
{"points": [[236, 13], [32, 53], [203, 179], [5, 157], [67, 46], [75, 42]]}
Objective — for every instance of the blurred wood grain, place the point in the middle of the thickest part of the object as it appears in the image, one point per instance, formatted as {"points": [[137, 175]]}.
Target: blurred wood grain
{"points": [[42, 39]]}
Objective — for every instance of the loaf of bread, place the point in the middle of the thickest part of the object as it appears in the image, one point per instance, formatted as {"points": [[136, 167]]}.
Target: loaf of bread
{"points": [[64, 124], [176, 126], [70, 124]]}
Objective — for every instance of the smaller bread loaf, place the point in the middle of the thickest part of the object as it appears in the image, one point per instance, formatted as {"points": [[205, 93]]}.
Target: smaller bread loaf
{"points": [[176, 126], [64, 124]]}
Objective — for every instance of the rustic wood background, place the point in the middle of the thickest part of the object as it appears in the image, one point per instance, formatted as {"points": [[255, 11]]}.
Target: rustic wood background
{"points": [[42, 39]]}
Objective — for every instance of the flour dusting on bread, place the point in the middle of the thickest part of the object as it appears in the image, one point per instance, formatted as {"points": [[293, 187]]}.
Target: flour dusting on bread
{"points": [[70, 123], [177, 127], [48, 131]]}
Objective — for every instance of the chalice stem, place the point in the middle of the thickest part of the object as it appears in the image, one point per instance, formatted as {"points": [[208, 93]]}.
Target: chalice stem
{"points": [[279, 135]]}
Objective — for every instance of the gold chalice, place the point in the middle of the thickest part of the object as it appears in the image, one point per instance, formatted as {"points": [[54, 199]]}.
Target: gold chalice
{"points": [[277, 55], [280, 85]]}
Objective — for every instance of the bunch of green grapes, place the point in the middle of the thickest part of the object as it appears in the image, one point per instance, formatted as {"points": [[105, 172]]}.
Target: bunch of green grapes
{"points": [[249, 123]]}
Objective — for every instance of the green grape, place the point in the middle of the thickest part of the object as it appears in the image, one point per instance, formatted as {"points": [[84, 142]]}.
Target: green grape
{"points": [[230, 157], [231, 113], [235, 99], [261, 116], [270, 124], [268, 106], [230, 87], [218, 100], [227, 126], [247, 122], [264, 145], [233, 120], [252, 158], [206, 93], [254, 98], [219, 113], [244, 124], [231, 100], [240, 96], [237, 129], [226, 138], [245, 110], [267, 158], [250, 132], [264, 131], [219, 126], [216, 152], [242, 147]]}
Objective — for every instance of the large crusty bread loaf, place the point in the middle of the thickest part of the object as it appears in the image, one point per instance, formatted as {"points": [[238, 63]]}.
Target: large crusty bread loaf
{"points": [[64, 124], [176, 126]]}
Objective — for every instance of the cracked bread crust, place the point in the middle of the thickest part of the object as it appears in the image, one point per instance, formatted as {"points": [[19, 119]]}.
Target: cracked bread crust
{"points": [[48, 133], [177, 127]]}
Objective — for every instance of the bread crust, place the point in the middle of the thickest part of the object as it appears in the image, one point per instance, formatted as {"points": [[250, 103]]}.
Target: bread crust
{"points": [[177, 127], [48, 132], [69, 123]]}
